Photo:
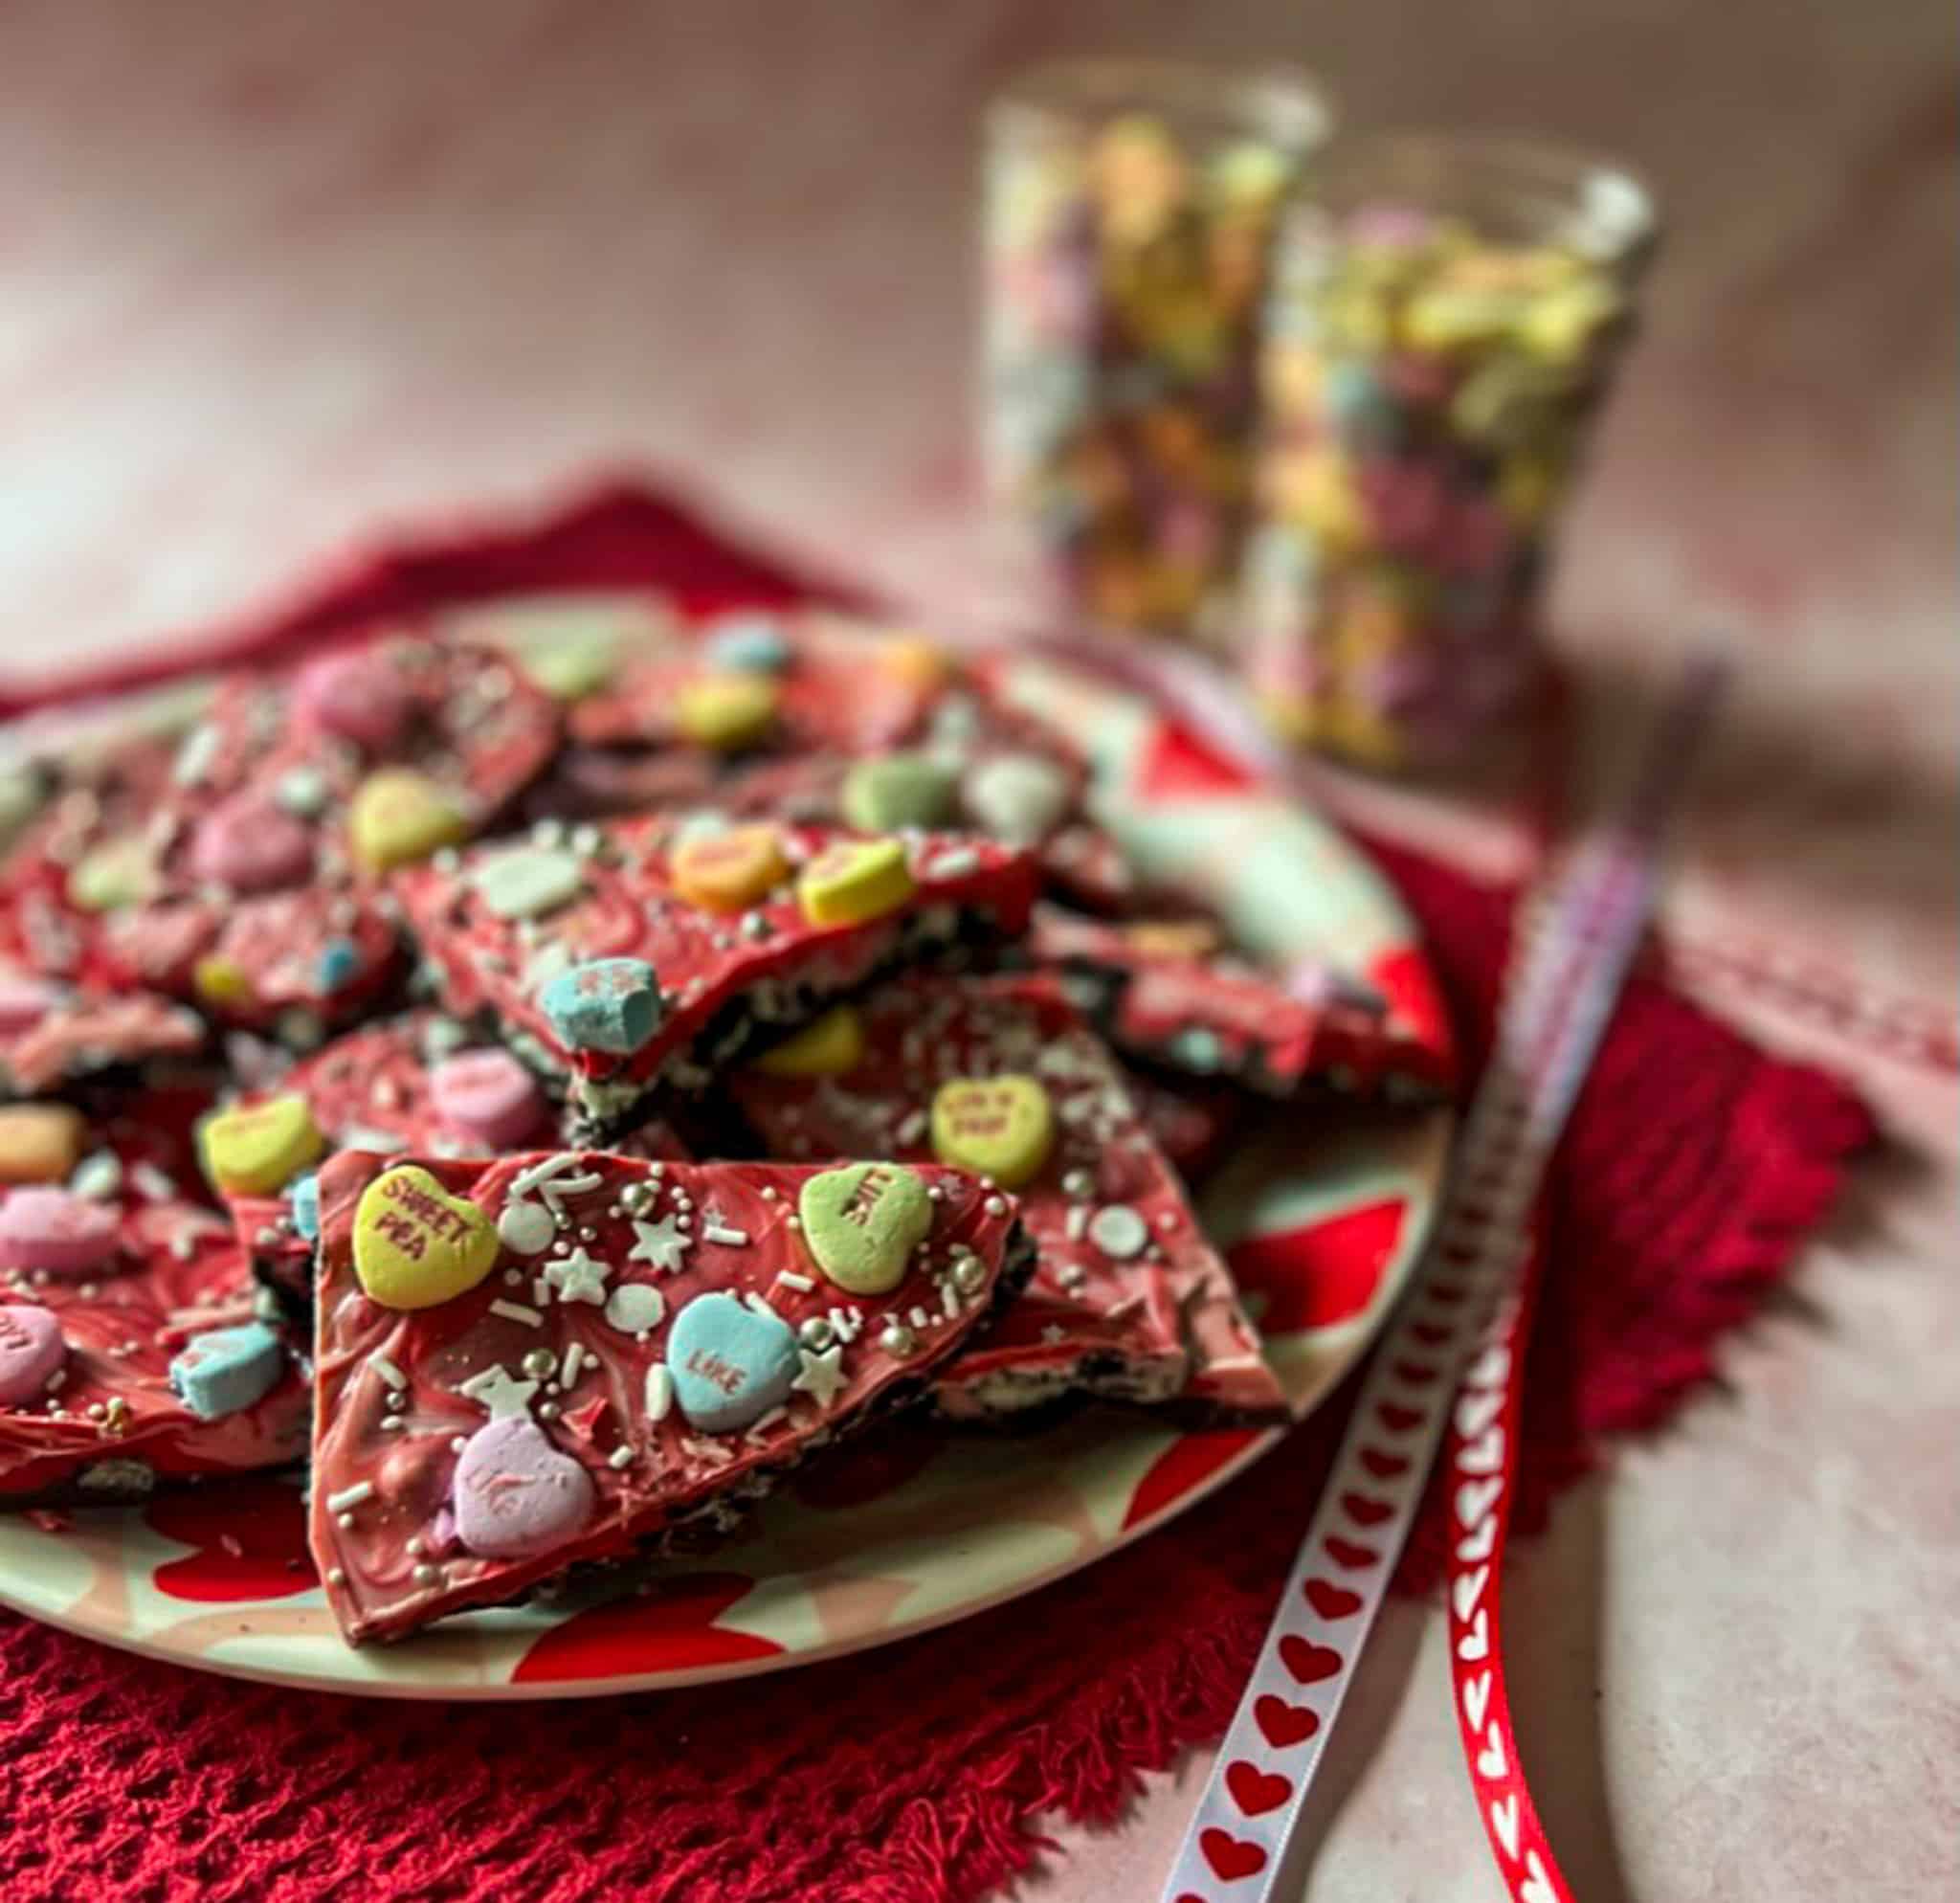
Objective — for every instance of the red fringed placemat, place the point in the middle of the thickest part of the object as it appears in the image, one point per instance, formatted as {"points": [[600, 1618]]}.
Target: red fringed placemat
{"points": [[1693, 1168]]}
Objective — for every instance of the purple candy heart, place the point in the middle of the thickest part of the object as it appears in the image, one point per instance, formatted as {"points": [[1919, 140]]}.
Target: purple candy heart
{"points": [[516, 1494], [31, 1351]]}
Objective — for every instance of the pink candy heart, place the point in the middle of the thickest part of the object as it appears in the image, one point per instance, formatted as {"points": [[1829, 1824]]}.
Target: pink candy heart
{"points": [[356, 697], [31, 1351], [50, 1229], [251, 846], [24, 1001], [516, 1496], [487, 1095]]}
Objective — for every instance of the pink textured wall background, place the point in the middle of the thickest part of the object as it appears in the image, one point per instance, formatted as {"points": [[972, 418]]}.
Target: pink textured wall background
{"points": [[272, 275]]}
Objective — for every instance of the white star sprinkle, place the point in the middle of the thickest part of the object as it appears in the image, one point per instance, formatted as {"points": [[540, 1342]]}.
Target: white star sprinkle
{"points": [[821, 1375], [578, 1278], [495, 1390], [660, 1243]]}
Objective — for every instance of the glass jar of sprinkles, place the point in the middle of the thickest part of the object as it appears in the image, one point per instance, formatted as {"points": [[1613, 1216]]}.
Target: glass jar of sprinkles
{"points": [[1130, 210], [1446, 315]]}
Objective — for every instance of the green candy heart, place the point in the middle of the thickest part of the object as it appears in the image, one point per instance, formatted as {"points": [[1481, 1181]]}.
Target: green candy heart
{"points": [[862, 1223], [895, 790]]}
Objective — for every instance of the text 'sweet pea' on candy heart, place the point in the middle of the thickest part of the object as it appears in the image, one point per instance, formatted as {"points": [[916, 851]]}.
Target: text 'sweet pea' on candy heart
{"points": [[227, 1370], [255, 1149], [730, 1363], [729, 870], [42, 1228], [515, 1494], [997, 1127], [488, 1096], [862, 1223], [605, 1004], [416, 1244], [854, 880], [397, 816]]}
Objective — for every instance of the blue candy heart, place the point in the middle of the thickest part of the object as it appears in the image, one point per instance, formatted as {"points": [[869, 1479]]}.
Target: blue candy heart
{"points": [[605, 1004], [227, 1369], [747, 644], [730, 1364], [303, 1199]]}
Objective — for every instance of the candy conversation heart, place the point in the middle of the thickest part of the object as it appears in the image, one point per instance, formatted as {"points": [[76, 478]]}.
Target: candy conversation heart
{"points": [[606, 1004], [487, 1095], [895, 790], [31, 1352], [39, 1143], [51, 1230], [398, 817], [863, 1222], [254, 1147], [416, 1244], [854, 881], [516, 1494], [730, 1364], [674, 1350], [998, 1127], [729, 870], [228, 1370]]}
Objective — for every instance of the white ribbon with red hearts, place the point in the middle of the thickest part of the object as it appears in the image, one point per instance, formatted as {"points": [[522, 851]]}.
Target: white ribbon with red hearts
{"points": [[1471, 1295]]}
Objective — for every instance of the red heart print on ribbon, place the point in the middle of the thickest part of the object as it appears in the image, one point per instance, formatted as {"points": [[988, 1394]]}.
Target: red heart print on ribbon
{"points": [[1331, 1602], [1282, 1724], [1232, 1857], [1255, 1791], [1309, 1663]]}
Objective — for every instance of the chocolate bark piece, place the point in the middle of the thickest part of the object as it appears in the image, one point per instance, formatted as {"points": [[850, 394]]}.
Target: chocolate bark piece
{"points": [[618, 980], [1169, 993], [165, 1369], [248, 882], [1128, 1300], [637, 1349]]}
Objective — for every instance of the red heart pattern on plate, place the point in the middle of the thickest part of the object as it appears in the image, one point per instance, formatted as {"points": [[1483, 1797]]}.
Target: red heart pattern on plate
{"points": [[1397, 1419], [1384, 1467]]}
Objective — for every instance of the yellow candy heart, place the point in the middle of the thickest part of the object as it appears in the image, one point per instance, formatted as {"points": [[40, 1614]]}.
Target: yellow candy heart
{"points": [[118, 872], [39, 1143], [916, 660], [1174, 937], [827, 1047], [416, 1244], [730, 871], [997, 1127], [398, 817], [220, 981], [726, 710], [854, 880], [258, 1147]]}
